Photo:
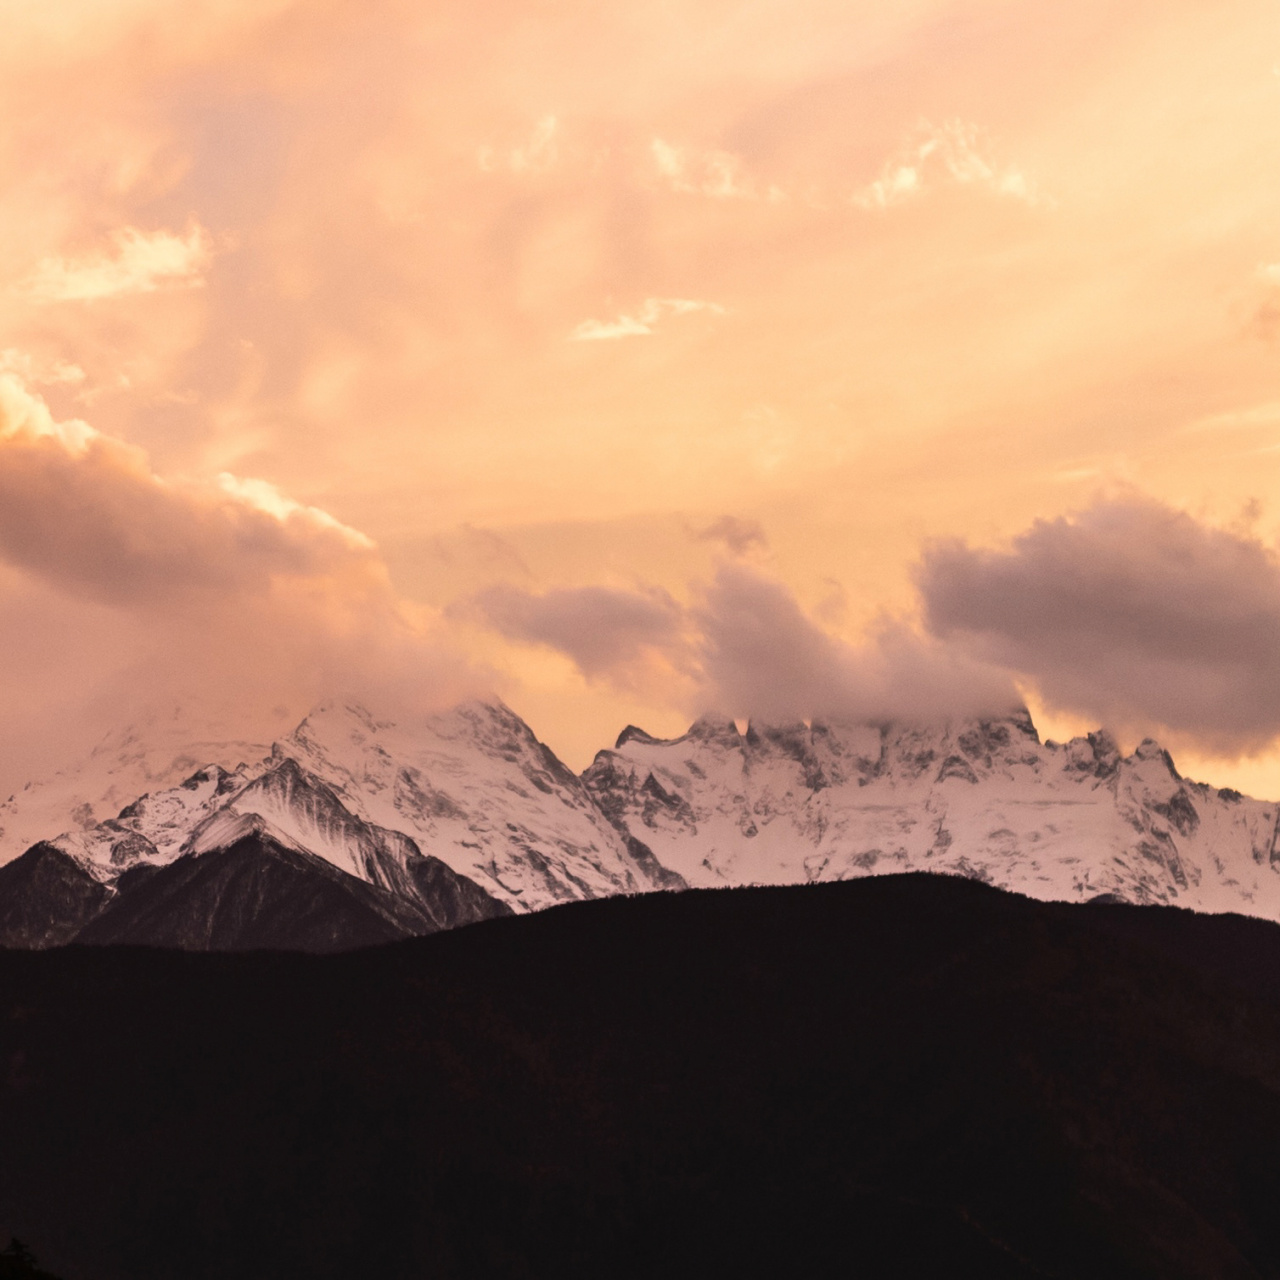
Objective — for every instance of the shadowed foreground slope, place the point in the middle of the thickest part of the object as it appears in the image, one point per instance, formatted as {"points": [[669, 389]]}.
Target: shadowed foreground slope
{"points": [[895, 1076]]}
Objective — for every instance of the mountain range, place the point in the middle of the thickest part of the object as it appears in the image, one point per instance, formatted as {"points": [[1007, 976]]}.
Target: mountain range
{"points": [[356, 829]]}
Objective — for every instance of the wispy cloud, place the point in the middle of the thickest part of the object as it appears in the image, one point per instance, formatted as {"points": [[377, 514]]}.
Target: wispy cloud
{"points": [[718, 174], [39, 373], [643, 321], [137, 262], [740, 537], [535, 155], [957, 152], [1257, 415]]}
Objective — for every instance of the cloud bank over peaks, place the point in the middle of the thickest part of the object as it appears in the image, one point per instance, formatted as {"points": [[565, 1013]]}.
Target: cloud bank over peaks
{"points": [[956, 152], [137, 262], [630, 638], [223, 589], [643, 321], [743, 646], [1130, 611], [762, 655]]}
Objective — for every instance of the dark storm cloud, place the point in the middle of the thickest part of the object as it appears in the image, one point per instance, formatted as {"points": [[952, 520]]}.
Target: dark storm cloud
{"points": [[1130, 611]]}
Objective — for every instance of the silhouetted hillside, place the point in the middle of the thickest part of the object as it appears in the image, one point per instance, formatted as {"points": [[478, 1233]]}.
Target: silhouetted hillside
{"points": [[890, 1077]]}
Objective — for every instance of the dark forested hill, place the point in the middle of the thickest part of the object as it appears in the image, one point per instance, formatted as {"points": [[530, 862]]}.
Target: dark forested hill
{"points": [[890, 1077]]}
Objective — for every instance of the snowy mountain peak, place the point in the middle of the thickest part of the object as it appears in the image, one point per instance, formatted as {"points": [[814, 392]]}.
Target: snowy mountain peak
{"points": [[633, 733], [982, 797], [467, 807], [1150, 749]]}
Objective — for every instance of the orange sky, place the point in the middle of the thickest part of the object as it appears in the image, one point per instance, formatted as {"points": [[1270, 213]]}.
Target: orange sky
{"points": [[424, 349]]}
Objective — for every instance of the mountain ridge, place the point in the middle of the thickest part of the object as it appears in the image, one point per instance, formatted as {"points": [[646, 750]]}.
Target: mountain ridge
{"points": [[465, 814]]}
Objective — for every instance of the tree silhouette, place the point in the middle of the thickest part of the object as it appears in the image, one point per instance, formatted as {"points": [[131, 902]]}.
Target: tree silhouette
{"points": [[17, 1262]]}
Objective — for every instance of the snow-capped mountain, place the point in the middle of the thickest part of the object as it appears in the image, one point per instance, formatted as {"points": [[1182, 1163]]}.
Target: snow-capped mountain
{"points": [[985, 799], [407, 829], [151, 755], [355, 829], [476, 787]]}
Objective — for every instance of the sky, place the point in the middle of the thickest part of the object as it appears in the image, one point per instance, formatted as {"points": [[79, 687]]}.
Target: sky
{"points": [[874, 358]]}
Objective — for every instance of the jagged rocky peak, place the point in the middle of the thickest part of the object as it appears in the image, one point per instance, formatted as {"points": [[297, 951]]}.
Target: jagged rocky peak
{"points": [[713, 730], [1097, 753], [633, 733], [709, 730], [1150, 750], [474, 786], [966, 749], [465, 812]]}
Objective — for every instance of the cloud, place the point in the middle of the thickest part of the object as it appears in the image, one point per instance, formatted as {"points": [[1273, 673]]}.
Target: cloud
{"points": [[85, 511], [264, 496], [955, 151], [194, 590], [718, 174], [40, 373], [1258, 415], [1130, 611], [737, 535], [537, 155], [763, 656], [605, 631], [138, 262], [745, 647], [1265, 320], [642, 323]]}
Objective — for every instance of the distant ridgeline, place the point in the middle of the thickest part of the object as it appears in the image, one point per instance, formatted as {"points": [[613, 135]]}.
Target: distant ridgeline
{"points": [[353, 830]]}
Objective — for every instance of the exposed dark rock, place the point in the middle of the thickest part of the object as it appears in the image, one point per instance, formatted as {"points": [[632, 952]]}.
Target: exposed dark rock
{"points": [[985, 739], [634, 734], [957, 767], [414, 794], [659, 877], [1180, 812], [659, 800], [130, 847], [1021, 720]]}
